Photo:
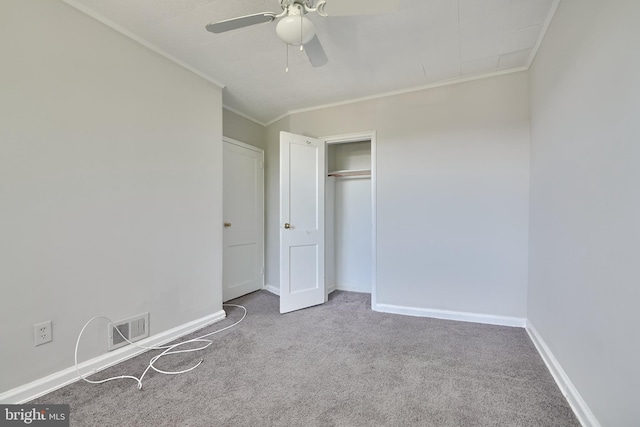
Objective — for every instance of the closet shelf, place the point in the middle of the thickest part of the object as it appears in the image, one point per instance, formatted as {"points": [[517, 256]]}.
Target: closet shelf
{"points": [[351, 172]]}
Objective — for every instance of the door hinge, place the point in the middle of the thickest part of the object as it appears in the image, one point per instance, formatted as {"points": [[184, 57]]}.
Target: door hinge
{"points": [[262, 271], [262, 165]]}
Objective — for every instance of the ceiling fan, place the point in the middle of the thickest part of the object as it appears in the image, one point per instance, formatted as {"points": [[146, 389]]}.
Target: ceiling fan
{"points": [[295, 29]]}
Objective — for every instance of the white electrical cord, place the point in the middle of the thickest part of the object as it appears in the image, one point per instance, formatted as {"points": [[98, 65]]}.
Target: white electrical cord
{"points": [[169, 349]]}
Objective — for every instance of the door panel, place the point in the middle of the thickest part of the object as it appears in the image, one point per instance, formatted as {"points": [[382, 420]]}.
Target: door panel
{"points": [[303, 268], [303, 202], [243, 211], [302, 208]]}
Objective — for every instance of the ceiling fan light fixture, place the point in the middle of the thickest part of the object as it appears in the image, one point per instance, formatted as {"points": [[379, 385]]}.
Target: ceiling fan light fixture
{"points": [[295, 30]]}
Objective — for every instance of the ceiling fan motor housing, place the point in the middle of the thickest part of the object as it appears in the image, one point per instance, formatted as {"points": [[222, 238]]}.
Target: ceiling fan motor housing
{"points": [[295, 29]]}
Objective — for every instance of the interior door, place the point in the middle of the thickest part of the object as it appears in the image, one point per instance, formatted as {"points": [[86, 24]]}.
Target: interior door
{"points": [[243, 213], [302, 170]]}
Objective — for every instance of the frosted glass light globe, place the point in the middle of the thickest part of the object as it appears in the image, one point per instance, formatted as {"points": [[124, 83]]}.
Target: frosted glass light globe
{"points": [[288, 29]]}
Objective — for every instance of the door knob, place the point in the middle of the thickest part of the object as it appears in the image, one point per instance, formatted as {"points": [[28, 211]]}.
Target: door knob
{"points": [[287, 226], [227, 224]]}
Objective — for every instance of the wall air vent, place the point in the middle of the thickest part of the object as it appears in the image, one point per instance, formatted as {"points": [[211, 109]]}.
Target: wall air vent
{"points": [[133, 329]]}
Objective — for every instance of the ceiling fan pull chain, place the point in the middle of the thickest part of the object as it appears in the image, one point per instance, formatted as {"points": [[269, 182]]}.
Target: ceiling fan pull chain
{"points": [[286, 69], [301, 48]]}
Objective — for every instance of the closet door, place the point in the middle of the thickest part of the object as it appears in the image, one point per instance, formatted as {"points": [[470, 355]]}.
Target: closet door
{"points": [[302, 186], [243, 211]]}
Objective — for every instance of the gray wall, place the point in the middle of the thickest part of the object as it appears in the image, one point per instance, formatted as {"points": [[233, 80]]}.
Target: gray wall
{"points": [[110, 186], [242, 129], [452, 199], [585, 203]]}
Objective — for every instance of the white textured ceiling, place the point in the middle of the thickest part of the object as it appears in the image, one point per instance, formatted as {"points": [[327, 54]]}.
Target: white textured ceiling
{"points": [[425, 42]]}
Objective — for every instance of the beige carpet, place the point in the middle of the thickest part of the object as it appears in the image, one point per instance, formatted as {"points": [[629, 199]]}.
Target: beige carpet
{"points": [[338, 364]]}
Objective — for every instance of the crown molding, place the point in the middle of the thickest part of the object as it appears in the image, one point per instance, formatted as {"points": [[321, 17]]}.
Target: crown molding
{"points": [[288, 113], [543, 32], [246, 116], [102, 19], [402, 92]]}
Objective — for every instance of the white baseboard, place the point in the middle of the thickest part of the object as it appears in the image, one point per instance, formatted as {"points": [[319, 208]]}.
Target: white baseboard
{"points": [[452, 315], [577, 403], [348, 288], [330, 289], [272, 289], [67, 376]]}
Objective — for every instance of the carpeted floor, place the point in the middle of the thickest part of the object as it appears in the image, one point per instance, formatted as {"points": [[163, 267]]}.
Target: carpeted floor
{"points": [[338, 364]]}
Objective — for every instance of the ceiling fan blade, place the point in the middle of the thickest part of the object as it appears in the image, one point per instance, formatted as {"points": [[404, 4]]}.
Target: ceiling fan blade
{"points": [[243, 21], [315, 52], [360, 7]]}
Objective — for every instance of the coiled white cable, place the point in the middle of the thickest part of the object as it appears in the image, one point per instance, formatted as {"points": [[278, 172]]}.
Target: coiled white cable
{"points": [[169, 349]]}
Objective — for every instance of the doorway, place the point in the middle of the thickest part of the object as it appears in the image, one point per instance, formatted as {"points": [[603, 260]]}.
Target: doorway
{"points": [[304, 174], [350, 213]]}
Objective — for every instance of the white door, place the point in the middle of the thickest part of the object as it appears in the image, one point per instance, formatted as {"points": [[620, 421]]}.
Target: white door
{"points": [[302, 181], [243, 213]]}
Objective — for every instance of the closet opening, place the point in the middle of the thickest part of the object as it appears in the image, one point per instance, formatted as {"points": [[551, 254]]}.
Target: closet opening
{"points": [[350, 214]]}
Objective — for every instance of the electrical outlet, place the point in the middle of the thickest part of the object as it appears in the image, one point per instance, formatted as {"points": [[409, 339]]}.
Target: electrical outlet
{"points": [[42, 333]]}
